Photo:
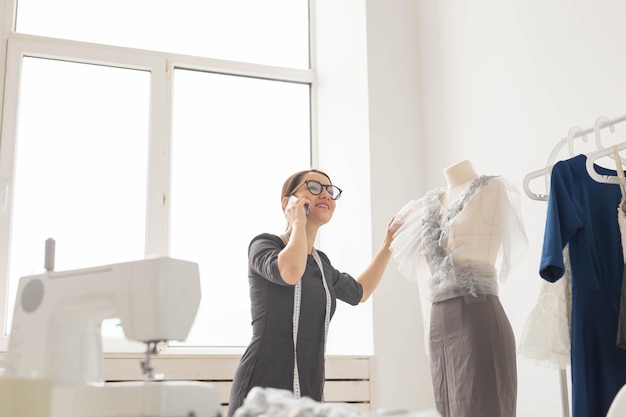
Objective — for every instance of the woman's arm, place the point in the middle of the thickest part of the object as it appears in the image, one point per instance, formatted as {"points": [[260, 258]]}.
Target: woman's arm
{"points": [[372, 275], [292, 259]]}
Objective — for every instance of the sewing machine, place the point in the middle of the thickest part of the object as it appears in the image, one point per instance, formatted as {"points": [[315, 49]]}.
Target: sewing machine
{"points": [[56, 341]]}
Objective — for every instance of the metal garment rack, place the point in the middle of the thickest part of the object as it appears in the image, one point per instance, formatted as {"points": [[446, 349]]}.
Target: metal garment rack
{"points": [[573, 133]]}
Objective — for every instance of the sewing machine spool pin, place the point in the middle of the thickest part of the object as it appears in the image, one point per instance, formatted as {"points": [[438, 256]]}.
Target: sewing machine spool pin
{"points": [[49, 255]]}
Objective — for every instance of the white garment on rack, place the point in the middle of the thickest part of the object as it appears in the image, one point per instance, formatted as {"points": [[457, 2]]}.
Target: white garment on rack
{"points": [[618, 406], [621, 221], [621, 214], [546, 334]]}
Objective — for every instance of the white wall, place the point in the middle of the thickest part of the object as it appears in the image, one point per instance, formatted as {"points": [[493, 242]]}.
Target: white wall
{"points": [[498, 83], [397, 176], [368, 130], [502, 83], [344, 153]]}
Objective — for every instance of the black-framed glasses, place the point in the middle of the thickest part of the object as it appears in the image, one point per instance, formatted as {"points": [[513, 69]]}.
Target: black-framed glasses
{"points": [[316, 188]]}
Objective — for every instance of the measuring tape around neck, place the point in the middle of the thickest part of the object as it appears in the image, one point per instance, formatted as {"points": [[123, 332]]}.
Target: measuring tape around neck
{"points": [[297, 298]]}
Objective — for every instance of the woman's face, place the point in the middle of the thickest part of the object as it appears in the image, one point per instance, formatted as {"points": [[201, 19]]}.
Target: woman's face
{"points": [[321, 206]]}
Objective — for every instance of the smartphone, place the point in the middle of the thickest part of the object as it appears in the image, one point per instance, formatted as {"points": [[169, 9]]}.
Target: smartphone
{"points": [[293, 199]]}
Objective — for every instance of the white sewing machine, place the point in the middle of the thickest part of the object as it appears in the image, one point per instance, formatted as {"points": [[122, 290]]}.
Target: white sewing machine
{"points": [[56, 342]]}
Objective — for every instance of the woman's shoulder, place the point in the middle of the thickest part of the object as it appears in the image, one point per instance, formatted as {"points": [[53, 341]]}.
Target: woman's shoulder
{"points": [[268, 238], [323, 256]]}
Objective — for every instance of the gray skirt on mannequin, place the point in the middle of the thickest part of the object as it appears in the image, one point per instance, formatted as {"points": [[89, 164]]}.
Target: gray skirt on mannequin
{"points": [[473, 358]]}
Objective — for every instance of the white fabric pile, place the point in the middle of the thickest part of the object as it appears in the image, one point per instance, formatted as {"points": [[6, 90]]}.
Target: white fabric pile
{"points": [[270, 402]]}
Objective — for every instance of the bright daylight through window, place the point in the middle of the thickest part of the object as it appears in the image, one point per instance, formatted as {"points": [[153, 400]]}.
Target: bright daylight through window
{"points": [[172, 140]]}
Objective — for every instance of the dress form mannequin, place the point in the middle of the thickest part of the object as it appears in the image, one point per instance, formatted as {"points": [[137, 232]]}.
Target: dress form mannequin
{"points": [[460, 231], [478, 228]]}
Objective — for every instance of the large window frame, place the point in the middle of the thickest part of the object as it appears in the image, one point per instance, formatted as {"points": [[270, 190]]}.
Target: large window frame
{"points": [[161, 66]]}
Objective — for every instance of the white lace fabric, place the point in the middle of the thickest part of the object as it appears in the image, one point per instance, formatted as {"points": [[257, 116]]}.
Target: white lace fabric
{"points": [[419, 246], [546, 334], [420, 243]]}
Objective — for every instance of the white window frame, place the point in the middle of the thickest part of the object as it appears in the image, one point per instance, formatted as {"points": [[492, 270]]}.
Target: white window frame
{"points": [[161, 66]]}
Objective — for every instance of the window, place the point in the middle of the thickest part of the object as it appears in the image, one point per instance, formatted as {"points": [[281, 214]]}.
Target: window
{"points": [[80, 166], [235, 141], [270, 32], [119, 153]]}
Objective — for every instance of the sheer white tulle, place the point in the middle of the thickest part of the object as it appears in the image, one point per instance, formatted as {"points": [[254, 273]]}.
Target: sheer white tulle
{"points": [[419, 243], [546, 335]]}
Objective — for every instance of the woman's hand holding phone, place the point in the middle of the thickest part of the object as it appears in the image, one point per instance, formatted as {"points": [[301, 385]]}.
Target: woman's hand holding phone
{"points": [[293, 200]]}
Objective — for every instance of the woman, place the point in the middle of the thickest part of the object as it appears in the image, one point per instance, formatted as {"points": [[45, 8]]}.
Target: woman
{"points": [[293, 293]]}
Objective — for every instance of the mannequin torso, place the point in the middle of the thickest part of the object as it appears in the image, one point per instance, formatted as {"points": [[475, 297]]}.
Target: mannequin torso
{"points": [[477, 232], [458, 177], [453, 237]]}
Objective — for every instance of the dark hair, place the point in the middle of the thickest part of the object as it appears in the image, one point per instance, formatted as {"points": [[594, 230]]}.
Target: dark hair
{"points": [[296, 179]]}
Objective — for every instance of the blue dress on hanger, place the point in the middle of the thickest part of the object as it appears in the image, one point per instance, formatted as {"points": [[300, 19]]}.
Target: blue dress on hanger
{"points": [[583, 214]]}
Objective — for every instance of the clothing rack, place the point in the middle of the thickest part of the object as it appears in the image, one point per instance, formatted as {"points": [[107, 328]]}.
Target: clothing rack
{"points": [[574, 133], [594, 156]]}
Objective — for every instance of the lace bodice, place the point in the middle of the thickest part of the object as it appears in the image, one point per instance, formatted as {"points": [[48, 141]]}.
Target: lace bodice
{"points": [[424, 235]]}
